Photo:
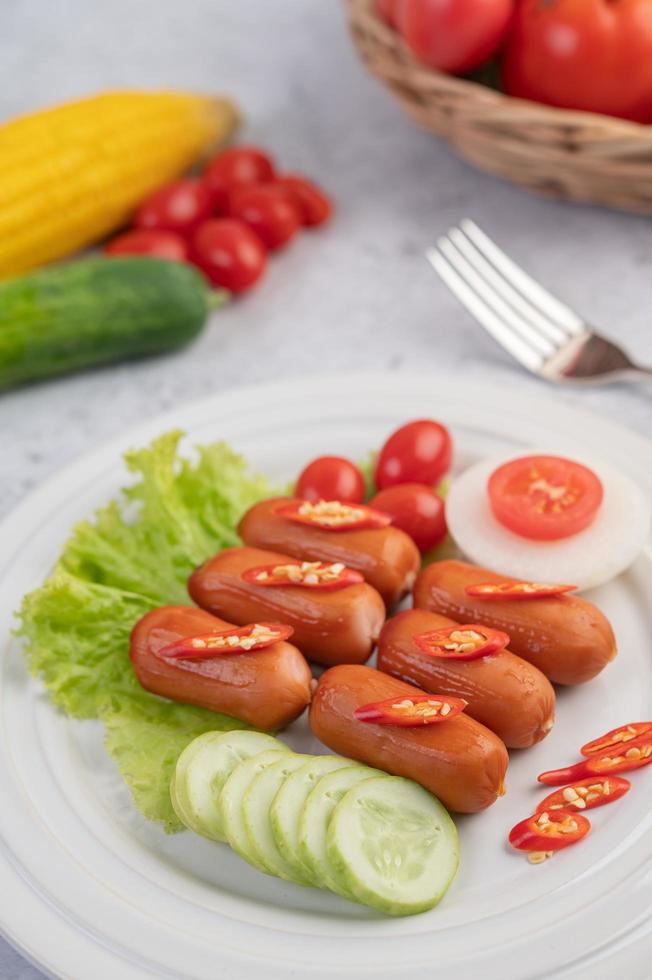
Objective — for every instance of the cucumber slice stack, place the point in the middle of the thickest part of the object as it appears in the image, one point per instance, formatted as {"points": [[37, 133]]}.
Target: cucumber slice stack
{"points": [[325, 821]]}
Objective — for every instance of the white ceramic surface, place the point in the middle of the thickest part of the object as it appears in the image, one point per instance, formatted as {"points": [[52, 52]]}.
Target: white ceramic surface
{"points": [[90, 889]]}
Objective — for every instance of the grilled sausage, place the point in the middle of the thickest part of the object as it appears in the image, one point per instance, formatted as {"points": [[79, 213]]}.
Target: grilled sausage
{"points": [[459, 760], [566, 637], [330, 627], [386, 556], [268, 688], [504, 692]]}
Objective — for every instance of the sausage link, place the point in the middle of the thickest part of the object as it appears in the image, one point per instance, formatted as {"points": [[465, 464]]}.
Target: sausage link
{"points": [[268, 688], [566, 637], [504, 692], [330, 627], [459, 760], [386, 556]]}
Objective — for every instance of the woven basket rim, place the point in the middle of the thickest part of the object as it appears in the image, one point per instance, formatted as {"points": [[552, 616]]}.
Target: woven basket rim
{"points": [[422, 75]]}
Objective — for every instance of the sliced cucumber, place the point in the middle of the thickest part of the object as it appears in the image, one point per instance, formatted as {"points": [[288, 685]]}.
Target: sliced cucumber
{"points": [[203, 768], [315, 817], [256, 804], [393, 845], [230, 804], [288, 803]]}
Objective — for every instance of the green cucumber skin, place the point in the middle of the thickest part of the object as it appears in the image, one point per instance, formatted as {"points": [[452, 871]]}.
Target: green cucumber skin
{"points": [[95, 311]]}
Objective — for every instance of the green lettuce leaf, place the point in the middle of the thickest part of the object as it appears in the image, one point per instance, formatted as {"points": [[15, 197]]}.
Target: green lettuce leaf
{"points": [[145, 738], [135, 555]]}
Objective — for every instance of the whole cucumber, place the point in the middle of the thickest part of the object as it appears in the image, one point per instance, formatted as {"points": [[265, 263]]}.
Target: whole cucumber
{"points": [[95, 311]]}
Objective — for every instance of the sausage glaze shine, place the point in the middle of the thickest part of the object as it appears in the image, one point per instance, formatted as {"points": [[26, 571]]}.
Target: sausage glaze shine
{"points": [[330, 627], [460, 761], [505, 693], [267, 688], [566, 637], [386, 556]]}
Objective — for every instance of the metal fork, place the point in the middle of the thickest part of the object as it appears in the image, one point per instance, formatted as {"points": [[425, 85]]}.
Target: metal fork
{"points": [[543, 334]]}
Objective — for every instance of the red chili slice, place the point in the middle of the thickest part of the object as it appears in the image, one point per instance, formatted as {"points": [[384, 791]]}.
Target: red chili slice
{"points": [[633, 756], [412, 711], [468, 642], [334, 515], [242, 639], [517, 590], [586, 794], [547, 831], [303, 574], [617, 737]]}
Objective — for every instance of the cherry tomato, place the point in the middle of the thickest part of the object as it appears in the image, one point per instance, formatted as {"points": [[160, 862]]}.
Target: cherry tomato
{"points": [[544, 497], [331, 478], [386, 10], [162, 244], [230, 253], [416, 509], [179, 207], [236, 167], [595, 55], [411, 712], [453, 35], [419, 452], [268, 211], [313, 204]]}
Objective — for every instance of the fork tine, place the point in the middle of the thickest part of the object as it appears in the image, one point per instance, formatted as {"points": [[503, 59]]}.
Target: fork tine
{"points": [[525, 284], [530, 335], [546, 327], [483, 313]]}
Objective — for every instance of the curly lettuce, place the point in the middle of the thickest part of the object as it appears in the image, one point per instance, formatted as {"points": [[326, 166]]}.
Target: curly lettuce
{"points": [[136, 554]]}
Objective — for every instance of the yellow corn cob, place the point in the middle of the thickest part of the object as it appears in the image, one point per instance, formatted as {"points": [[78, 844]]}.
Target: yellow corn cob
{"points": [[72, 174]]}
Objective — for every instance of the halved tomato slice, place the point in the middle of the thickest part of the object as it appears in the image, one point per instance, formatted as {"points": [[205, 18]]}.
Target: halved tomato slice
{"points": [[544, 497]]}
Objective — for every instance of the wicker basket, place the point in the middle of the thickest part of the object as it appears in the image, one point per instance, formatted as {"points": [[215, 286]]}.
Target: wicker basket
{"points": [[578, 156]]}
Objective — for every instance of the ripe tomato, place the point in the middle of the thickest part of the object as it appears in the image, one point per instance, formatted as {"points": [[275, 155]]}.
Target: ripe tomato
{"points": [[162, 244], [453, 35], [313, 204], [230, 253], [179, 207], [576, 54], [419, 452], [236, 167], [544, 497], [331, 478], [268, 211], [416, 509]]}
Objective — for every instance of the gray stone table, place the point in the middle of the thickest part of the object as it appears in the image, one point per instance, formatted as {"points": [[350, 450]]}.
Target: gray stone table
{"points": [[357, 295]]}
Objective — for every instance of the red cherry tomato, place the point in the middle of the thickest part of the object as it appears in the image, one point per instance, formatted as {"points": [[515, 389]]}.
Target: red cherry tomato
{"points": [[236, 167], [230, 253], [453, 35], [179, 207], [595, 56], [419, 452], [331, 478], [416, 509], [268, 211], [386, 10], [544, 497], [313, 204], [162, 244]]}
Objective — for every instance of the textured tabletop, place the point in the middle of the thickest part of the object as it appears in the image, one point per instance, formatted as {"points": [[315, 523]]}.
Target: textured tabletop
{"points": [[357, 295]]}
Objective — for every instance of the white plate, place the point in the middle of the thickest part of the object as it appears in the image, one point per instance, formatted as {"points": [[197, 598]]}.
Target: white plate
{"points": [[90, 889]]}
